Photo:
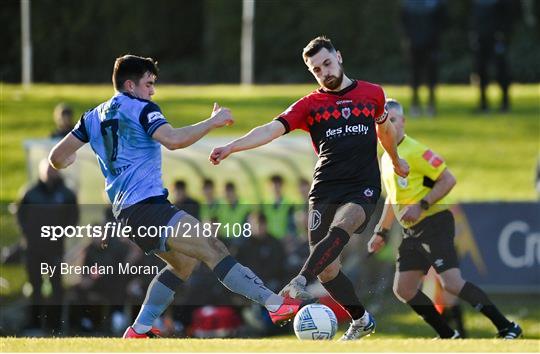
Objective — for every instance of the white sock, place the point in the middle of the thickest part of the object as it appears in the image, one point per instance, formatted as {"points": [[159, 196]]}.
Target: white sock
{"points": [[140, 328], [362, 321], [273, 302]]}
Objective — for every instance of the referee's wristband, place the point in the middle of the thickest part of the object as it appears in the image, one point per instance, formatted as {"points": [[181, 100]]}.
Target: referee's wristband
{"points": [[383, 233]]}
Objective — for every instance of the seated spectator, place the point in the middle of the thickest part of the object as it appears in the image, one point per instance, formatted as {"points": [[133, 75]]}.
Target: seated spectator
{"points": [[183, 201]]}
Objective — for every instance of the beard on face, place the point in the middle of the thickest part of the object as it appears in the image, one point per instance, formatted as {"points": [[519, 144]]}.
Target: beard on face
{"points": [[333, 82]]}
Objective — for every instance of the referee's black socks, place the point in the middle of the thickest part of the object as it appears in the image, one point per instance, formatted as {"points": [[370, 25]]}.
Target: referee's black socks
{"points": [[423, 306], [325, 252], [480, 301], [342, 290]]}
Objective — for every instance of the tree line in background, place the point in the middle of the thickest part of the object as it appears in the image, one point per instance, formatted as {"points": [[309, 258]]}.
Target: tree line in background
{"points": [[198, 41]]}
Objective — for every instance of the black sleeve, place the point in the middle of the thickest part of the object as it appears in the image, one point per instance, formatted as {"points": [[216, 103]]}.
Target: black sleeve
{"points": [[151, 118], [80, 131]]}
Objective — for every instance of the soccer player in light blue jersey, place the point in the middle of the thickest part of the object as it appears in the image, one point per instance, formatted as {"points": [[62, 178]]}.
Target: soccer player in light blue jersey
{"points": [[126, 133]]}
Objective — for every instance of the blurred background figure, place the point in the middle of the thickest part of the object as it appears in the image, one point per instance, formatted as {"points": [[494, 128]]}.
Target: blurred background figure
{"points": [[279, 211], [183, 201], [232, 211], [492, 22], [63, 119], [46, 202], [258, 252], [263, 249], [423, 22], [209, 208]]}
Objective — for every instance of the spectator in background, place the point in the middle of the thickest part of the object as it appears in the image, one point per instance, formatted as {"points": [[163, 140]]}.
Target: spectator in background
{"points": [[492, 22], [63, 119], [280, 211], [423, 22], [183, 201], [258, 252], [233, 211], [263, 249], [47, 202], [209, 209]]}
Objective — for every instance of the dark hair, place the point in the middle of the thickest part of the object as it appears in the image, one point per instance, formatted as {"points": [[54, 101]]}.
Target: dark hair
{"points": [[132, 67], [229, 186], [207, 182], [180, 184], [315, 45], [61, 109], [276, 179], [260, 217]]}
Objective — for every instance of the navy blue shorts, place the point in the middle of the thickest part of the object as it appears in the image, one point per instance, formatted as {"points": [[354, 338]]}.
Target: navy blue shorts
{"points": [[150, 213]]}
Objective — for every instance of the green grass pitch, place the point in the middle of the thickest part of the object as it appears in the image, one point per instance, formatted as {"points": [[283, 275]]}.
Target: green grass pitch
{"points": [[265, 345]]}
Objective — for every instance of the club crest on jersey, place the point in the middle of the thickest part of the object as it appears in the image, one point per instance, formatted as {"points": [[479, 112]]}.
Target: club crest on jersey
{"points": [[346, 112], [368, 192], [402, 182], [314, 219], [152, 117]]}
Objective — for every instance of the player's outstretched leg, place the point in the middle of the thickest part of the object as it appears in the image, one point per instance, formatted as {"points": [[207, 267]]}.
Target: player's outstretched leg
{"points": [[230, 273], [348, 218], [455, 284], [160, 294]]}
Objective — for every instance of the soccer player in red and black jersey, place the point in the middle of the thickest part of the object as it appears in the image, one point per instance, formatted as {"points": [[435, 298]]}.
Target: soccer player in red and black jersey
{"points": [[344, 118]]}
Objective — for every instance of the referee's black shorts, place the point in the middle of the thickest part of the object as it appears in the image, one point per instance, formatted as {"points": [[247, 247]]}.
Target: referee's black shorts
{"points": [[323, 208], [429, 243]]}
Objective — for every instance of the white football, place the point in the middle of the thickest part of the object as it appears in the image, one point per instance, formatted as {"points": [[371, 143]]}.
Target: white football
{"points": [[315, 322]]}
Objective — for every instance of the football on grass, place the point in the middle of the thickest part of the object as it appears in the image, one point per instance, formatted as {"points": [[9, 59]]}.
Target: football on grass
{"points": [[315, 322]]}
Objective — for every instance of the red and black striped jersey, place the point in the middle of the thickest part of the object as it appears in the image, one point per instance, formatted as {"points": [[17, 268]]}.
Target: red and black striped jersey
{"points": [[342, 129]]}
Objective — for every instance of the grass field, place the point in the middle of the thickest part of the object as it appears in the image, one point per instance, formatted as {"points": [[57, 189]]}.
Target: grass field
{"points": [[493, 156], [500, 150], [265, 345]]}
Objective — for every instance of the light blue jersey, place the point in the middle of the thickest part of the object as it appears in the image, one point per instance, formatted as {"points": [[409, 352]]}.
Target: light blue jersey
{"points": [[120, 133]]}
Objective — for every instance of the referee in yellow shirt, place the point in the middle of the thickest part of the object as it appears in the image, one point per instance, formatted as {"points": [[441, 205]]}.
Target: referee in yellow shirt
{"points": [[418, 204]]}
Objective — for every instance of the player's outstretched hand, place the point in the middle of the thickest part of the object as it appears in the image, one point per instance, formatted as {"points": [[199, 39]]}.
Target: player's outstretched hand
{"points": [[219, 153], [221, 116], [401, 168], [376, 243]]}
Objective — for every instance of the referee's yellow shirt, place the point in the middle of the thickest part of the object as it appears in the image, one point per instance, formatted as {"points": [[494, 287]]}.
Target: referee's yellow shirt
{"points": [[425, 168]]}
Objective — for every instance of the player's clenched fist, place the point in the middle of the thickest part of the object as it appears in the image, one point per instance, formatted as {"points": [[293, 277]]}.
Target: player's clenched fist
{"points": [[219, 153], [221, 116], [401, 168], [375, 243]]}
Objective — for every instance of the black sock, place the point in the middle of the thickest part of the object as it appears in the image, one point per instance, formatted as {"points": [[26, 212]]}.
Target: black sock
{"points": [[325, 252], [342, 290], [454, 316], [480, 301], [423, 306]]}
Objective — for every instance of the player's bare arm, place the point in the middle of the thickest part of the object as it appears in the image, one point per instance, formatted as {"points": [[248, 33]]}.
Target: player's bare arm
{"points": [[64, 154], [443, 185], [388, 138], [179, 138], [378, 241], [256, 137]]}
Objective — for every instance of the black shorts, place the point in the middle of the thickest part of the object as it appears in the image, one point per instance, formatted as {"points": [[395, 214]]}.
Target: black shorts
{"points": [[322, 210], [151, 212], [429, 243]]}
